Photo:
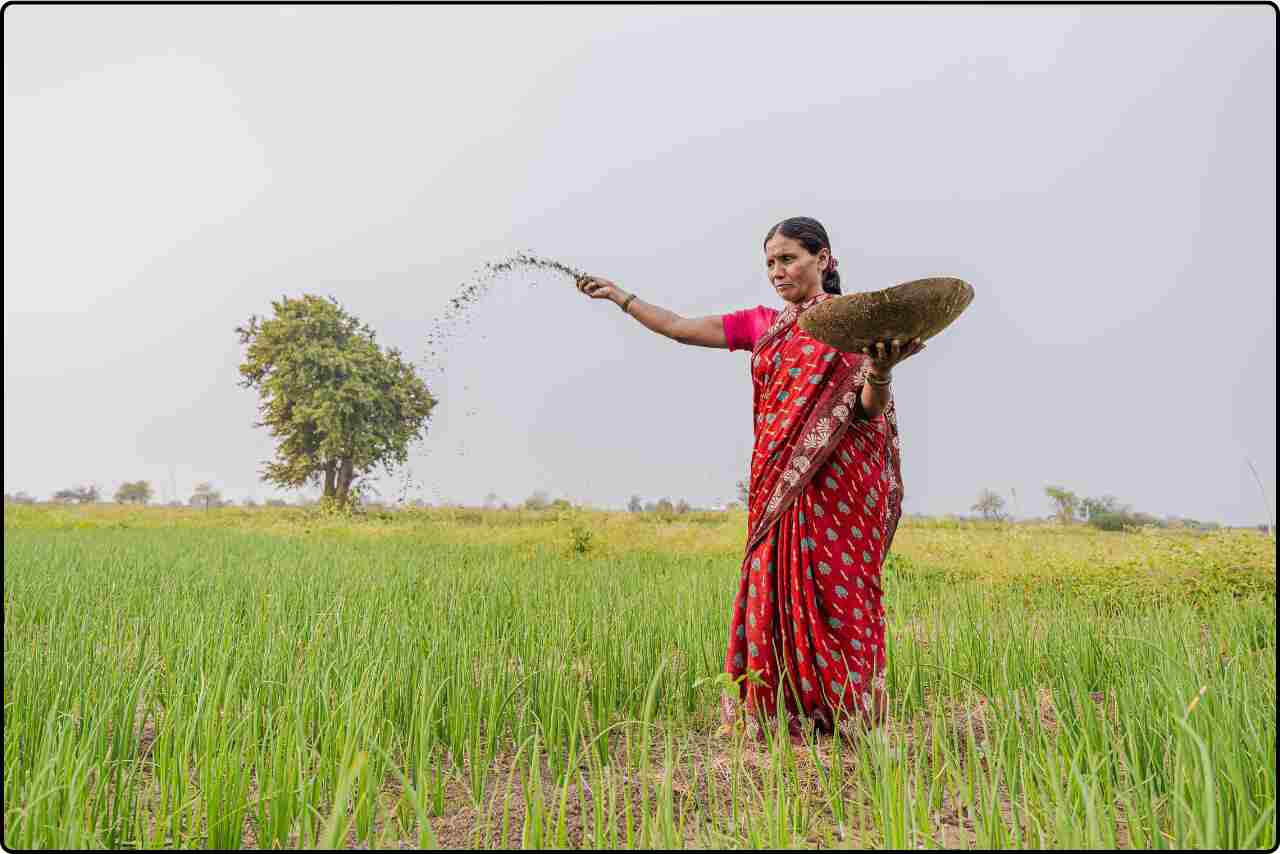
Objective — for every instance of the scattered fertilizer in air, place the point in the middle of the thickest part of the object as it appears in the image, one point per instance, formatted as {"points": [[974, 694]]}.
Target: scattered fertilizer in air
{"points": [[456, 313], [457, 316]]}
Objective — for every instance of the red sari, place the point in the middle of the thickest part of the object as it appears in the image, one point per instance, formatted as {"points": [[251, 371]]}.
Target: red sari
{"points": [[824, 504]]}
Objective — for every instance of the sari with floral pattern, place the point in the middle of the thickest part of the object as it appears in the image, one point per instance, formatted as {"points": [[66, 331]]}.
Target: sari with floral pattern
{"points": [[824, 502]]}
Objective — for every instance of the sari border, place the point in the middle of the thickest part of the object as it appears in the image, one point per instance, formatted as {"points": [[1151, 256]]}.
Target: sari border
{"points": [[826, 425], [784, 319]]}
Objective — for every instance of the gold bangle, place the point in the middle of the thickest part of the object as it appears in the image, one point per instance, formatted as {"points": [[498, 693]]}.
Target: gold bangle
{"points": [[871, 378], [626, 302]]}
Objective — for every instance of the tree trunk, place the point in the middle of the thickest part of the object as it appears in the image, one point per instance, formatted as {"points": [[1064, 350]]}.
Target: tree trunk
{"points": [[345, 476], [329, 471]]}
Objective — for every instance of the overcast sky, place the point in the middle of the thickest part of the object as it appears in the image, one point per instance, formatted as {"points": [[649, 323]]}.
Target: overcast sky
{"points": [[1105, 177]]}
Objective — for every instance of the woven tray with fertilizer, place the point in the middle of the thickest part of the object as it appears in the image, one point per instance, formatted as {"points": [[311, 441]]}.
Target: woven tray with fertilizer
{"points": [[918, 309]]}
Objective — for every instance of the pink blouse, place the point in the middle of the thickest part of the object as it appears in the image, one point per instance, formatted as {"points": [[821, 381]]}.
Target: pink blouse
{"points": [[742, 329]]}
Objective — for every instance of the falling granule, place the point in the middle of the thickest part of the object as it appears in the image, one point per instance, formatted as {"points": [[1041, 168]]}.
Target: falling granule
{"points": [[472, 292], [445, 329]]}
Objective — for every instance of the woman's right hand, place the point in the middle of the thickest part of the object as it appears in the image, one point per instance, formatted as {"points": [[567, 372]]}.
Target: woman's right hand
{"points": [[598, 288]]}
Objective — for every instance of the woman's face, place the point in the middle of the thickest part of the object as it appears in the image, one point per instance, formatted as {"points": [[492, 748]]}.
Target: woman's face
{"points": [[794, 272]]}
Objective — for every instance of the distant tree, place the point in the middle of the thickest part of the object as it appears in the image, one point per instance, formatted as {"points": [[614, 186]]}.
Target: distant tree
{"points": [[650, 507], [249, 502], [744, 491], [491, 500], [635, 505], [338, 403], [86, 494], [1091, 507], [990, 504], [1067, 503], [682, 506], [538, 501], [665, 506], [206, 496], [137, 492], [1123, 518], [561, 504], [19, 497], [276, 502], [175, 503]]}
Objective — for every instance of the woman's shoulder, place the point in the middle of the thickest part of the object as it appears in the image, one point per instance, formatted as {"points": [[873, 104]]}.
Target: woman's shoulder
{"points": [[756, 315], [744, 327]]}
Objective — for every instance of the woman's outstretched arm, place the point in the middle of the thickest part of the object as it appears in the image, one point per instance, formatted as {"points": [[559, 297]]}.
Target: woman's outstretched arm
{"points": [[698, 331]]}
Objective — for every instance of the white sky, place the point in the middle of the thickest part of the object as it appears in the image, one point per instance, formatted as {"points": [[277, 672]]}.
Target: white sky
{"points": [[1104, 177]]}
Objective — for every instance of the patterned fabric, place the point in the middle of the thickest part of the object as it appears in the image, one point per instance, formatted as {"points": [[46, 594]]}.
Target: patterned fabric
{"points": [[824, 503], [742, 329]]}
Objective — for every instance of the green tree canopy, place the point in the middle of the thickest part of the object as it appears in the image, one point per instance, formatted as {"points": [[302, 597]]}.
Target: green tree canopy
{"points": [[86, 494], [137, 492], [1066, 502], [338, 404], [1092, 507], [206, 496]]}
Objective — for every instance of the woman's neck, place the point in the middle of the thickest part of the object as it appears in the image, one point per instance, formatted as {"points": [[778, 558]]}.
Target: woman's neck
{"points": [[801, 299]]}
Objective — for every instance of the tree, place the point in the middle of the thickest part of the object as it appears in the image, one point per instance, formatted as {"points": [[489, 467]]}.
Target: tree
{"points": [[491, 500], [665, 506], [249, 502], [682, 506], [1122, 519], [277, 502], [1067, 503], [137, 492], [339, 405], [538, 501], [990, 504], [18, 497], [744, 492], [635, 505], [561, 504], [206, 496], [86, 494], [1092, 507]]}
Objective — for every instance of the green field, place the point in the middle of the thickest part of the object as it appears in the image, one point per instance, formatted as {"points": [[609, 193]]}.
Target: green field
{"points": [[279, 678]]}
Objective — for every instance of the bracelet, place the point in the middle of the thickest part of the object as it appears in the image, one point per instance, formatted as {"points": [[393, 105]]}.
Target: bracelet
{"points": [[626, 302], [871, 378]]}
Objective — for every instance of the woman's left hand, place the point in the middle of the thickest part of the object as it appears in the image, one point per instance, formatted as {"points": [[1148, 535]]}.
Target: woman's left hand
{"points": [[884, 355]]}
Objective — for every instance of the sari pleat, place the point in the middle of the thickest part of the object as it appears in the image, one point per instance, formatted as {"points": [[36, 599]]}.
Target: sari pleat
{"points": [[824, 503]]}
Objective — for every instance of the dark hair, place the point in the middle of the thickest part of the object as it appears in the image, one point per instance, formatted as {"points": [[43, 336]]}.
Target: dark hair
{"points": [[812, 236]]}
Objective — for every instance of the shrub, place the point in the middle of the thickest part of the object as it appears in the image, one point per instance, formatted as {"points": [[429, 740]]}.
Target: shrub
{"points": [[1123, 519], [580, 538]]}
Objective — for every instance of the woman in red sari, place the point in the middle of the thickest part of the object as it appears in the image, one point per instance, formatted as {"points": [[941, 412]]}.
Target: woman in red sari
{"points": [[825, 493]]}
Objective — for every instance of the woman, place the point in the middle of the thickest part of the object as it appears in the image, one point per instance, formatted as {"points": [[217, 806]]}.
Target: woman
{"points": [[825, 492]]}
